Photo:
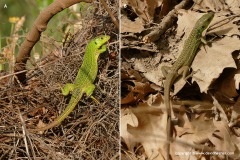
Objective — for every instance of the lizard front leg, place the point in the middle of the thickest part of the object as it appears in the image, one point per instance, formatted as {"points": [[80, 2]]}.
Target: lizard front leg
{"points": [[185, 72], [102, 49], [69, 87]]}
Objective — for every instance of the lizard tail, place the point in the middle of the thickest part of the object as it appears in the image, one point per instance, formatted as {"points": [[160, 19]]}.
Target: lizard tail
{"points": [[73, 102], [168, 115]]}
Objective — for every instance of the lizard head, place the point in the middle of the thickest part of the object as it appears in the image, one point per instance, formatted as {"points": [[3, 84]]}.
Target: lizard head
{"points": [[204, 21], [97, 44]]}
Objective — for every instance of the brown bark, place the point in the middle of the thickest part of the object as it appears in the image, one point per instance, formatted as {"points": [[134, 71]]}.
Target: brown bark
{"points": [[34, 34]]}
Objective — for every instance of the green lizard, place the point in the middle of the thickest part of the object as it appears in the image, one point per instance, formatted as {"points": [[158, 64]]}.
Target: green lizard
{"points": [[84, 81], [182, 64]]}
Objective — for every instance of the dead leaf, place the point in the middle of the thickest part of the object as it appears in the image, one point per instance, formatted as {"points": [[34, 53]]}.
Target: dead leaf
{"points": [[237, 80], [167, 6], [186, 19], [209, 64], [150, 131], [234, 6], [127, 117], [235, 116], [142, 88], [236, 140], [218, 6], [193, 132], [225, 85], [135, 26], [201, 129], [129, 98], [219, 108], [224, 24], [137, 86], [222, 139], [150, 68], [213, 5], [145, 9]]}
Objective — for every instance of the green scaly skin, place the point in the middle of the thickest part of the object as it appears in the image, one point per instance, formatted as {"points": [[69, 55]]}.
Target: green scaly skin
{"points": [[84, 81], [182, 64]]}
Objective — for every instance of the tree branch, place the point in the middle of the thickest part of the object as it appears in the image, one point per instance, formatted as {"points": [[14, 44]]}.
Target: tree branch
{"points": [[34, 34]]}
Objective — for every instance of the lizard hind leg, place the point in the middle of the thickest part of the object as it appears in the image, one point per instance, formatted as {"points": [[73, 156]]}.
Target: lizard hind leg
{"points": [[89, 91], [165, 70], [185, 72]]}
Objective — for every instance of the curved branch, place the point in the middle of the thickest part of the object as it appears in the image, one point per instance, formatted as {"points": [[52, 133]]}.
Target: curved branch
{"points": [[34, 34]]}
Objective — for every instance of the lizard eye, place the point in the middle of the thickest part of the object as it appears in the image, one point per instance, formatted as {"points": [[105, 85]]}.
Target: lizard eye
{"points": [[95, 42]]}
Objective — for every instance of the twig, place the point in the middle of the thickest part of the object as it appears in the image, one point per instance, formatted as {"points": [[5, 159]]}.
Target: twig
{"points": [[114, 20], [165, 24], [24, 134], [12, 74]]}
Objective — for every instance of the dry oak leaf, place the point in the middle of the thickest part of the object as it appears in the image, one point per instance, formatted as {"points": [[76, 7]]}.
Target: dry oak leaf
{"points": [[150, 131], [193, 132], [213, 5], [233, 6], [225, 86], [127, 117], [142, 88], [237, 75], [237, 80], [210, 63], [145, 9], [129, 98], [127, 25], [150, 68], [222, 139], [218, 5], [223, 24], [186, 19], [236, 140], [235, 116], [133, 74], [138, 91]]}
